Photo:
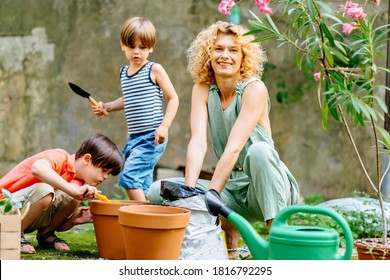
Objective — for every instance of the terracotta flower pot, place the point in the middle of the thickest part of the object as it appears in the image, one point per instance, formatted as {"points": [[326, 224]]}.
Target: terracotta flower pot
{"points": [[372, 249], [153, 232], [108, 231]]}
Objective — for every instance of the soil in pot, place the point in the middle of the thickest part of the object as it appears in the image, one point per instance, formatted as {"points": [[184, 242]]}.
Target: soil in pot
{"points": [[372, 249], [108, 231], [153, 232]]}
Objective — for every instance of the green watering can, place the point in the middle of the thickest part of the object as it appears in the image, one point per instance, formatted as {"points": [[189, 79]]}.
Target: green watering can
{"points": [[287, 242]]}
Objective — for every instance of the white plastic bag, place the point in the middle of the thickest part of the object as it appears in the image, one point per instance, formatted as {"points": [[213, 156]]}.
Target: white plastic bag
{"points": [[203, 238]]}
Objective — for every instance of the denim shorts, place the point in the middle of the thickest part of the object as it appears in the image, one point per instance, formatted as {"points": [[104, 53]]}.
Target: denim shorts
{"points": [[141, 156]]}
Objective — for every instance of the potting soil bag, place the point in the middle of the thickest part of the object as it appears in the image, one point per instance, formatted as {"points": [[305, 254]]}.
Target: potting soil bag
{"points": [[173, 191], [203, 237]]}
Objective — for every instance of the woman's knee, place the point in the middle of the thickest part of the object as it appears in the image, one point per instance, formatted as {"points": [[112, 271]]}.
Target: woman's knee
{"points": [[154, 193], [260, 152]]}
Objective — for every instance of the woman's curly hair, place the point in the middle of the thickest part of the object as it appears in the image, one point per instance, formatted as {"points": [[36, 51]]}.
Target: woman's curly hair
{"points": [[198, 54]]}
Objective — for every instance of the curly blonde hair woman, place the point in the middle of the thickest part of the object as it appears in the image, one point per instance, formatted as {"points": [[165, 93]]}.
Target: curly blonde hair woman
{"points": [[199, 51], [231, 102]]}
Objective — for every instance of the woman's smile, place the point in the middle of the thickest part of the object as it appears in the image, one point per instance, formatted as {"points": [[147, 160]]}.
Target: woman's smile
{"points": [[226, 56]]}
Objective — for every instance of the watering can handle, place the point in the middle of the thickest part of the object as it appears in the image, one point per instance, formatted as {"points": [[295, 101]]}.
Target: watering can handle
{"points": [[282, 217]]}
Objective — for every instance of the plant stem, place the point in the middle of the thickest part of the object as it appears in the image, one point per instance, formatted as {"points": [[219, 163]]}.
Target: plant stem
{"points": [[384, 222], [376, 152], [380, 198], [344, 121], [377, 190]]}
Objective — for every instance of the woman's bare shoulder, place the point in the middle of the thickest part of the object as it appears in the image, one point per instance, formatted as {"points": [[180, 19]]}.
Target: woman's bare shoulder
{"points": [[201, 86]]}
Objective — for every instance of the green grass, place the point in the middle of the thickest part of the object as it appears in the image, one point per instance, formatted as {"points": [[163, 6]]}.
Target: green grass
{"points": [[81, 240]]}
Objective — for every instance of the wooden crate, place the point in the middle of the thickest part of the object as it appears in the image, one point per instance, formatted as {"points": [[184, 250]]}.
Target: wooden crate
{"points": [[10, 237]]}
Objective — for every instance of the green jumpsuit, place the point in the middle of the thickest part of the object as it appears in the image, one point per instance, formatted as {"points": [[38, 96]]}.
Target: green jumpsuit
{"points": [[260, 184]]}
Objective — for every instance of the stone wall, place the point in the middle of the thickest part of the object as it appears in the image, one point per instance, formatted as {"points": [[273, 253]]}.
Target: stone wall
{"points": [[45, 44]]}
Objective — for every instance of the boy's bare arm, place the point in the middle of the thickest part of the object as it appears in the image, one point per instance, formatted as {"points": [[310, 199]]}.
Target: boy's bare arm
{"points": [[43, 170], [162, 79], [116, 105]]}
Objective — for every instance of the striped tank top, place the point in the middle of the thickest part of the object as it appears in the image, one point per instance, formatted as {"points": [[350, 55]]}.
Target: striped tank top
{"points": [[142, 100]]}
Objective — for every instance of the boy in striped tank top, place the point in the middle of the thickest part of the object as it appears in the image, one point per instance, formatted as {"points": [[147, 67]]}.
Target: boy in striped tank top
{"points": [[144, 85]]}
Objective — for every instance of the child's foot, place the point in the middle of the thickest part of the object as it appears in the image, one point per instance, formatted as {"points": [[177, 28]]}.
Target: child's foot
{"points": [[25, 246], [49, 240]]}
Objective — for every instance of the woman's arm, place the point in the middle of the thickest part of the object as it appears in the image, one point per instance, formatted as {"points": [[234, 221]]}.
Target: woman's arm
{"points": [[253, 110], [197, 146]]}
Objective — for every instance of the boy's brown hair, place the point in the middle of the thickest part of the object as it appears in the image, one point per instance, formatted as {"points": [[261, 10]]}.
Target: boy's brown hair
{"points": [[105, 153], [138, 27]]}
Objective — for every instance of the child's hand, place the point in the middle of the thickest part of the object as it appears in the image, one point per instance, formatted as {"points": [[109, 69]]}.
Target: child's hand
{"points": [[87, 192], [81, 215], [160, 134], [98, 110]]}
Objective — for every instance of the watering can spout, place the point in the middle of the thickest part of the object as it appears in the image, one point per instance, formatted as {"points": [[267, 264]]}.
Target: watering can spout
{"points": [[257, 246]]}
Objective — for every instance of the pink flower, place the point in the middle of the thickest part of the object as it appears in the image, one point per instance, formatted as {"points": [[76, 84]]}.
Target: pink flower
{"points": [[265, 10], [317, 76], [347, 28], [376, 2], [349, 5], [263, 6], [356, 13], [353, 11], [225, 6]]}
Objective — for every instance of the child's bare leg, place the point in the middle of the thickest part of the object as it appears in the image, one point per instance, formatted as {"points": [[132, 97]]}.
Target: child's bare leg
{"points": [[59, 218], [33, 212], [135, 194], [232, 236]]}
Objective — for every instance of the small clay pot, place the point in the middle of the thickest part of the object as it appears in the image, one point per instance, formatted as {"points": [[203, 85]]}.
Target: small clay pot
{"points": [[153, 232], [372, 249], [108, 231]]}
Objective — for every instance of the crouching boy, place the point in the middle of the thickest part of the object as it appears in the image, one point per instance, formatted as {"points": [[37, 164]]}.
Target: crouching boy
{"points": [[54, 182]]}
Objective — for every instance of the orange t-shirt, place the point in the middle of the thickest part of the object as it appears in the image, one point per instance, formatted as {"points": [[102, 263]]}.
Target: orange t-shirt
{"points": [[20, 176]]}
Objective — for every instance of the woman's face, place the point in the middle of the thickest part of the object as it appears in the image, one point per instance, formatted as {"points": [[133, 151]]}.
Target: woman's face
{"points": [[226, 56]]}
